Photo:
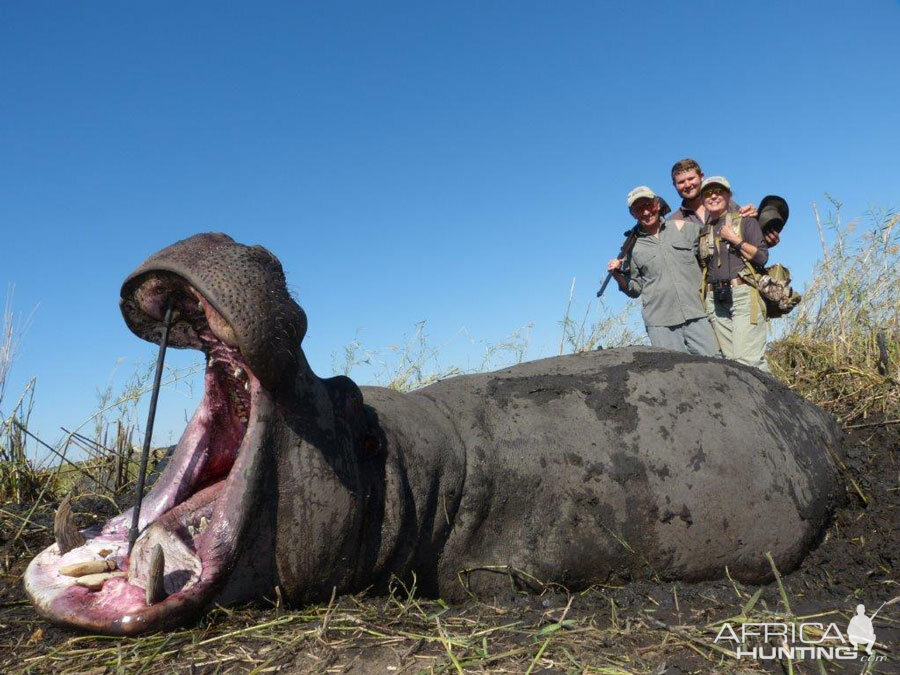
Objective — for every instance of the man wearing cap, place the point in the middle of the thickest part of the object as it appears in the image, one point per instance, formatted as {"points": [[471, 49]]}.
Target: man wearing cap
{"points": [[728, 246], [662, 270], [687, 177]]}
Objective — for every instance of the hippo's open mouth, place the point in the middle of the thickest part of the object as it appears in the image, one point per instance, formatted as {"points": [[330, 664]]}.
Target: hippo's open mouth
{"points": [[198, 509]]}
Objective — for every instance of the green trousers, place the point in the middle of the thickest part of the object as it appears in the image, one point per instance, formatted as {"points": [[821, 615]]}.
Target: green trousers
{"points": [[739, 339]]}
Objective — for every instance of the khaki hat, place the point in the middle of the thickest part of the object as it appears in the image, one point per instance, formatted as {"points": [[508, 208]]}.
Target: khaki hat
{"points": [[640, 192], [716, 180]]}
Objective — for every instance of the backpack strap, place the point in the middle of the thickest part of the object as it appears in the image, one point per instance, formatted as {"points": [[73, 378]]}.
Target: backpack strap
{"points": [[707, 245], [749, 274]]}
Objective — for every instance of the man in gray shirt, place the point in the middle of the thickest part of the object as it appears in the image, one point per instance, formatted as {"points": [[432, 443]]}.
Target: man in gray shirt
{"points": [[662, 269]]}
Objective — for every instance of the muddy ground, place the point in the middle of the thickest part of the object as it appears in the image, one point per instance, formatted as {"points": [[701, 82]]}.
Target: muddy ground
{"points": [[640, 628]]}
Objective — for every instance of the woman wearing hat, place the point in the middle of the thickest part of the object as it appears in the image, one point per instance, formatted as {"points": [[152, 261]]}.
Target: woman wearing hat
{"points": [[729, 244]]}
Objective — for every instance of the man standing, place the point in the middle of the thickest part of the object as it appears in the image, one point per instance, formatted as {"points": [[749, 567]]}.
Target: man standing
{"points": [[687, 177], [728, 246], [662, 270]]}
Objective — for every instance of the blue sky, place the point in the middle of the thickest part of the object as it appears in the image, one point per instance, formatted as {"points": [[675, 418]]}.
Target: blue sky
{"points": [[453, 162]]}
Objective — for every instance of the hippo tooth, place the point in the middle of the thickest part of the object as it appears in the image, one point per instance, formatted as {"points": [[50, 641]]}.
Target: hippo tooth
{"points": [[64, 530], [192, 530], [87, 567], [203, 524], [247, 385], [155, 591], [95, 581], [209, 362], [239, 373]]}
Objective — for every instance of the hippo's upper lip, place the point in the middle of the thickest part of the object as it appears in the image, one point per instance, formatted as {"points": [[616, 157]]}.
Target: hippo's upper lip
{"points": [[247, 304], [199, 506]]}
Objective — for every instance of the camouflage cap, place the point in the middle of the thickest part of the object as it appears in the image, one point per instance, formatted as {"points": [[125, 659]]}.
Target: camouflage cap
{"points": [[716, 180], [640, 192]]}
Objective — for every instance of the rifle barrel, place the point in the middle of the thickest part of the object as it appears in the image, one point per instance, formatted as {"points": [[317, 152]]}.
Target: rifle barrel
{"points": [[605, 284], [623, 252]]}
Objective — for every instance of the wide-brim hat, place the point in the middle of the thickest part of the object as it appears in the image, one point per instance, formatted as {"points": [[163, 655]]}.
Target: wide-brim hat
{"points": [[773, 213], [664, 207]]}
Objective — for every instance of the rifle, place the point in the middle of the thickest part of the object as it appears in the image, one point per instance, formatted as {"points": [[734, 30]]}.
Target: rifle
{"points": [[630, 238]]}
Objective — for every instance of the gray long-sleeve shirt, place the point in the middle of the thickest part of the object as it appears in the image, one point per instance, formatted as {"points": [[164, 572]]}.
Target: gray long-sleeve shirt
{"points": [[665, 274]]}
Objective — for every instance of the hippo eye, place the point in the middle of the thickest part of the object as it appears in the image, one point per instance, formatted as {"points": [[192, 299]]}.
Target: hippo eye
{"points": [[371, 445]]}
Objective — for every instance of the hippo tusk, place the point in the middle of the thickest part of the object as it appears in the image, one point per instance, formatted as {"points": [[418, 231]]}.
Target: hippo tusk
{"points": [[94, 582], [64, 531], [155, 591], [87, 567]]}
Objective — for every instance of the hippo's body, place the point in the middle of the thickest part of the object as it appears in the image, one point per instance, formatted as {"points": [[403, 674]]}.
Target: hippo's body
{"points": [[584, 469], [608, 466]]}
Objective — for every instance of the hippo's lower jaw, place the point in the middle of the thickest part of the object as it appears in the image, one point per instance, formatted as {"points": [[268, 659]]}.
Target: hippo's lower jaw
{"points": [[196, 512]]}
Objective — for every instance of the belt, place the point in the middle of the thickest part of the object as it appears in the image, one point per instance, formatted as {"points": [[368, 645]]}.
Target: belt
{"points": [[737, 281]]}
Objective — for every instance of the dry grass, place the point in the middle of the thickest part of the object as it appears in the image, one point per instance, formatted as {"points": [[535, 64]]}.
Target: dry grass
{"points": [[841, 346], [608, 332], [414, 362], [407, 633]]}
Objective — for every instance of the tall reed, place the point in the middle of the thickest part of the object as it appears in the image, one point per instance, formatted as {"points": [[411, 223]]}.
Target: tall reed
{"points": [[841, 346]]}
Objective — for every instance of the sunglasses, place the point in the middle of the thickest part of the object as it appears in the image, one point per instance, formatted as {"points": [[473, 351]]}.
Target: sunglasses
{"points": [[715, 190]]}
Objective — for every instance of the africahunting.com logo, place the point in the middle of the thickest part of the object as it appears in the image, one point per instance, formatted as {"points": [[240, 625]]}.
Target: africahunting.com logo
{"points": [[766, 641]]}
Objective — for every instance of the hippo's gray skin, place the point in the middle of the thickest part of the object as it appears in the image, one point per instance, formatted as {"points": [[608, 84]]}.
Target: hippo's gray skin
{"points": [[600, 467]]}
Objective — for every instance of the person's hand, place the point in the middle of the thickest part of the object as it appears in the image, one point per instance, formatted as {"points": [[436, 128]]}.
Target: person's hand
{"points": [[729, 235], [748, 211], [614, 266], [772, 237]]}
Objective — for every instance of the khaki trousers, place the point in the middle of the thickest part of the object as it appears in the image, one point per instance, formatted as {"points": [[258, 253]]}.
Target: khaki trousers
{"points": [[739, 339]]}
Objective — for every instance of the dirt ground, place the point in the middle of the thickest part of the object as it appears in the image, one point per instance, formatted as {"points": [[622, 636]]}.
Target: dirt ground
{"points": [[640, 628]]}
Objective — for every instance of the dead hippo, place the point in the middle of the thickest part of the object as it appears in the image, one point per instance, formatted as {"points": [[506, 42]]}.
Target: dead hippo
{"points": [[592, 468]]}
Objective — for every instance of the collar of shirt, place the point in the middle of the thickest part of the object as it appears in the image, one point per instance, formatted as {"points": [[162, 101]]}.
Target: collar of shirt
{"points": [[715, 222], [662, 226], [686, 213], [686, 210]]}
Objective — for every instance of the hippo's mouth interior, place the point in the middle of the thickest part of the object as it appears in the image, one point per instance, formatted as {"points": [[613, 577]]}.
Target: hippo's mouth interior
{"points": [[194, 512]]}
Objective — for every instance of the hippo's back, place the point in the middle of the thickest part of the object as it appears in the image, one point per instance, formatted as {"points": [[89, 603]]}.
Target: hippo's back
{"points": [[634, 463]]}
